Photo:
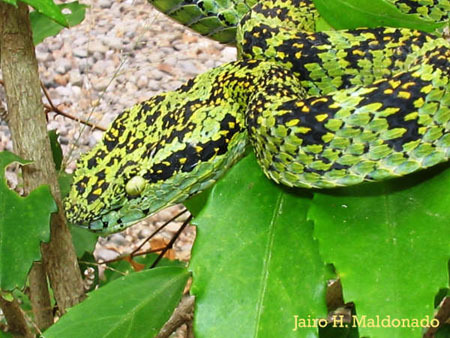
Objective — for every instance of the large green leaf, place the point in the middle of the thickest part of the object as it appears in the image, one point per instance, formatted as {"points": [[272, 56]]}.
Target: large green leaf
{"points": [[255, 264], [389, 243], [46, 7], [370, 13], [24, 223], [43, 26], [136, 305]]}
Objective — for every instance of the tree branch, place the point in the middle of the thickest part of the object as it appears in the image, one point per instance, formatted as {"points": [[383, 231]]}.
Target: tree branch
{"points": [[29, 134], [14, 316], [182, 314]]}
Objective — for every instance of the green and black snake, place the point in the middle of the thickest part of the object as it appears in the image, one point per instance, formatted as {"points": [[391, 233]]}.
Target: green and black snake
{"points": [[321, 110]]}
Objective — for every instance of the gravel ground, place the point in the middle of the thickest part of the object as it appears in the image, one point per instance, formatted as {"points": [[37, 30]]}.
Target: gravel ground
{"points": [[122, 53]]}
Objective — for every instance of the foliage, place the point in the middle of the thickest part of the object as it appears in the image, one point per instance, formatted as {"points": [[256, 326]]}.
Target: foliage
{"points": [[137, 305], [44, 26], [247, 261], [46, 7], [369, 13], [24, 223], [263, 252], [393, 238]]}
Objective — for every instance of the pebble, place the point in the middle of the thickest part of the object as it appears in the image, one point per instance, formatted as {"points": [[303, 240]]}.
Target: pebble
{"points": [[61, 66], [80, 52], [103, 254], [118, 239]]}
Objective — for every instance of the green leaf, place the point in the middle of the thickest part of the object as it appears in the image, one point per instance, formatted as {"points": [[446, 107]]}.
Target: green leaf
{"points": [[389, 244], [370, 13], [46, 7], [83, 240], [196, 203], [65, 182], [24, 223], [11, 2], [443, 332], [137, 305], [43, 26], [255, 263], [56, 149]]}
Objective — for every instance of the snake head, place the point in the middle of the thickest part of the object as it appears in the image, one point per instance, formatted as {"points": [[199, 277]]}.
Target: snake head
{"points": [[156, 154]]}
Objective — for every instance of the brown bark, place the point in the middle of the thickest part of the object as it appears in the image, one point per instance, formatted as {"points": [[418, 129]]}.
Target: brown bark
{"points": [[39, 297], [183, 314], [29, 134], [15, 318]]}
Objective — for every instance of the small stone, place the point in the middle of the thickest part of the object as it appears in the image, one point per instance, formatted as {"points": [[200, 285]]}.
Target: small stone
{"points": [[188, 67], [80, 40], [113, 42], [63, 91], [62, 66], [75, 77], [118, 239], [97, 46], [100, 84], [106, 254], [76, 91], [229, 53], [95, 137], [55, 44], [142, 82], [144, 233], [105, 3], [80, 52], [43, 56], [61, 79], [130, 87], [173, 226], [154, 85]]}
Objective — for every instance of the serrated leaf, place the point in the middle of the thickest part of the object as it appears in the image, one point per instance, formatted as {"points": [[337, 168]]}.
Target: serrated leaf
{"points": [[136, 305], [43, 26], [255, 263], [389, 243], [370, 13], [24, 224]]}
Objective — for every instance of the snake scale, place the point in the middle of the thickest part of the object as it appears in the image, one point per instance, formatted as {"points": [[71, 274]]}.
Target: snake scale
{"points": [[321, 110]]}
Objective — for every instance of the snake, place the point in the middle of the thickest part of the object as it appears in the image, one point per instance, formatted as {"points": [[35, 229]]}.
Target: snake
{"points": [[320, 109]]}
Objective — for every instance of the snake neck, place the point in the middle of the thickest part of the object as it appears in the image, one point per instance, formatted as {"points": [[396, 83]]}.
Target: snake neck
{"points": [[163, 150]]}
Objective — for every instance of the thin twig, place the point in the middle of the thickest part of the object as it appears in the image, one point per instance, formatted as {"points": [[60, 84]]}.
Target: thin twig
{"points": [[52, 107], [174, 238], [156, 231], [141, 253]]}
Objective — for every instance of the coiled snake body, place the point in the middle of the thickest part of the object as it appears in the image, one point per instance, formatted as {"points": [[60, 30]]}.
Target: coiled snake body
{"points": [[321, 110]]}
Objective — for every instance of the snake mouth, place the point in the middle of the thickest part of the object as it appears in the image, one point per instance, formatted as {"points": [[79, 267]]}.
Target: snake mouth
{"points": [[115, 220]]}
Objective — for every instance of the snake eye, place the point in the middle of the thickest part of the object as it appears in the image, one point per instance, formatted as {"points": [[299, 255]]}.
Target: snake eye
{"points": [[135, 186]]}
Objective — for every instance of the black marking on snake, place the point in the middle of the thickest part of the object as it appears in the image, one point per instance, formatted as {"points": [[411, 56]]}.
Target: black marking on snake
{"points": [[92, 162], [126, 165], [110, 140], [151, 118], [81, 184]]}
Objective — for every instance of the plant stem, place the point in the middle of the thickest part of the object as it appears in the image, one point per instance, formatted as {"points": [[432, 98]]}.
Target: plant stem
{"points": [[29, 134], [17, 324]]}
